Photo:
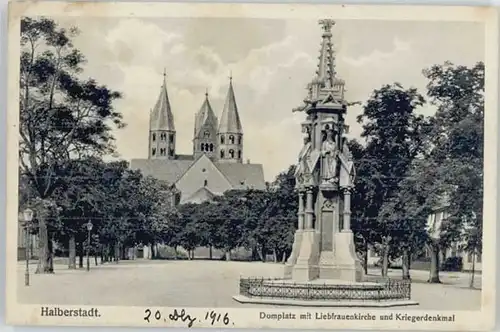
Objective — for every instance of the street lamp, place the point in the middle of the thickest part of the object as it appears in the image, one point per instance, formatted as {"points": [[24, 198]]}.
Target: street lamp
{"points": [[89, 228], [28, 216]]}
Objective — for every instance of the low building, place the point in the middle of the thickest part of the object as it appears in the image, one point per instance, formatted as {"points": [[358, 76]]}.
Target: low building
{"points": [[434, 221]]}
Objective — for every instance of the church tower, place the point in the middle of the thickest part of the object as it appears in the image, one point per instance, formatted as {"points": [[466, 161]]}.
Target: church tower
{"points": [[205, 131], [230, 133], [161, 127]]}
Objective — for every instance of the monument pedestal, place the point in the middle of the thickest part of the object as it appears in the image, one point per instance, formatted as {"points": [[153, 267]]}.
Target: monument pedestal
{"points": [[348, 265], [306, 268], [292, 260]]}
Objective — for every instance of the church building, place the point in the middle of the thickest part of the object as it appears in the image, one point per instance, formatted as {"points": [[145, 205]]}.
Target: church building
{"points": [[216, 163]]}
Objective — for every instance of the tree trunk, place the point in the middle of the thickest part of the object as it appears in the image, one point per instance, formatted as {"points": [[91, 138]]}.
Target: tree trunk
{"points": [[228, 255], [44, 253], [434, 271], [262, 258], [189, 254], [95, 260], [263, 253], [473, 271], [72, 252], [117, 252], [406, 263], [385, 259], [283, 258], [123, 253], [80, 255], [210, 252], [275, 256], [153, 250], [365, 258], [51, 254]]}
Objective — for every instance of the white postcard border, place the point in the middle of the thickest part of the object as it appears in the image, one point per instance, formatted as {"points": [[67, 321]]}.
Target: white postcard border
{"points": [[19, 314]]}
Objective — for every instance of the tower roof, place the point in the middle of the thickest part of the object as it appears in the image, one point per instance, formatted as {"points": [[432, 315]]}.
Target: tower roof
{"points": [[230, 119], [326, 66], [205, 116], [161, 117]]}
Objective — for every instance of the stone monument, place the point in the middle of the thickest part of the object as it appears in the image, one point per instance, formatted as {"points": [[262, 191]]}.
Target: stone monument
{"points": [[323, 269], [324, 244]]}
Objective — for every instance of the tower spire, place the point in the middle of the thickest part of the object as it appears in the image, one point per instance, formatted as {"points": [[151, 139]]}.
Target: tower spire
{"points": [[162, 117], [230, 118]]}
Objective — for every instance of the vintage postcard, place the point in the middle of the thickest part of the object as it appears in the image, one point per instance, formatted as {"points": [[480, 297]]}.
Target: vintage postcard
{"points": [[252, 166]]}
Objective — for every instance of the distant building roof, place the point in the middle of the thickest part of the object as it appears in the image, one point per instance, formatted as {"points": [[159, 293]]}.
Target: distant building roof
{"points": [[166, 170], [241, 176]]}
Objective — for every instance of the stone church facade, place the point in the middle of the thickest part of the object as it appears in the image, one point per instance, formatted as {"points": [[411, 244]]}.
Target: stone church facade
{"points": [[216, 163]]}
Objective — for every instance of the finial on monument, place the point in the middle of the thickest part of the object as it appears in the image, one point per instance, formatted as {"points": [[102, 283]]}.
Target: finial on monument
{"points": [[164, 72], [327, 24], [230, 76], [206, 93]]}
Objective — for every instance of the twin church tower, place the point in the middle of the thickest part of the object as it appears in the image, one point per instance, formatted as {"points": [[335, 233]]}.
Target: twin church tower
{"points": [[221, 141]]}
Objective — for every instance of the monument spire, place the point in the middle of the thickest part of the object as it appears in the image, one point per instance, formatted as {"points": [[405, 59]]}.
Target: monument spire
{"points": [[326, 66]]}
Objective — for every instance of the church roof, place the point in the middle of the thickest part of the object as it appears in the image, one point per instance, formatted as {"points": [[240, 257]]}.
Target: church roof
{"points": [[166, 170], [161, 117], [243, 176], [240, 176], [205, 116], [230, 119]]}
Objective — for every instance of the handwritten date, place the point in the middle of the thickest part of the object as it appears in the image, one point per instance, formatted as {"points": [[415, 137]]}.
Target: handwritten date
{"points": [[182, 315]]}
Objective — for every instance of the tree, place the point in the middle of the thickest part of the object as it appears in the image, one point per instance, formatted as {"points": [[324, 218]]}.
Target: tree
{"points": [[456, 151], [394, 137], [61, 117]]}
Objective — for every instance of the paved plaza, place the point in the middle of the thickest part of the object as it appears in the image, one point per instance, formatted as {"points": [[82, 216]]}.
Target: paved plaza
{"points": [[202, 284]]}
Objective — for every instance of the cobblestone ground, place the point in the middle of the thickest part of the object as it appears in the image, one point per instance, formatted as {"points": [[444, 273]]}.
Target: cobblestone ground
{"points": [[202, 284]]}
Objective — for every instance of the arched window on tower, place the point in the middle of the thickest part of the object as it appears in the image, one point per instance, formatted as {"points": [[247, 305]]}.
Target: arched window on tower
{"points": [[202, 147], [221, 139], [231, 153], [206, 134], [222, 153], [239, 154], [239, 139], [163, 136], [205, 183], [231, 139], [162, 151], [154, 137], [211, 147], [153, 152], [171, 138], [171, 152]]}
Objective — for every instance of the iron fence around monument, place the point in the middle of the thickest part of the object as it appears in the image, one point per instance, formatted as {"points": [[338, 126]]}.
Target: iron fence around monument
{"points": [[376, 290]]}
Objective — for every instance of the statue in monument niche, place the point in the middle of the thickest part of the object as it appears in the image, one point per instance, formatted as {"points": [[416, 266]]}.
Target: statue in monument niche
{"points": [[347, 170], [329, 152], [303, 169]]}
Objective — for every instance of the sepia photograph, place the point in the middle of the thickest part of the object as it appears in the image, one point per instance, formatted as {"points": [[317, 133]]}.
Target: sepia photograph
{"points": [[301, 169]]}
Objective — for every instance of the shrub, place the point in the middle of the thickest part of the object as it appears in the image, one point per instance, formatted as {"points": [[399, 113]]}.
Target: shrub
{"points": [[452, 264]]}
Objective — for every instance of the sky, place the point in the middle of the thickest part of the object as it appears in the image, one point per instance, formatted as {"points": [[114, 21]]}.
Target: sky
{"points": [[271, 61]]}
